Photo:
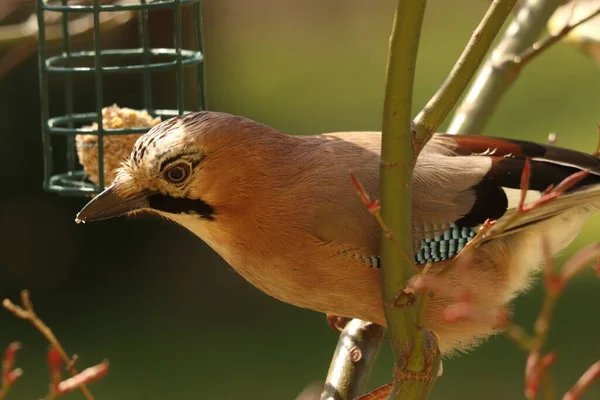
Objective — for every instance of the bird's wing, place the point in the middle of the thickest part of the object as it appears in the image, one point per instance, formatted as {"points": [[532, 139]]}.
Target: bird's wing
{"points": [[588, 197], [458, 183], [464, 180]]}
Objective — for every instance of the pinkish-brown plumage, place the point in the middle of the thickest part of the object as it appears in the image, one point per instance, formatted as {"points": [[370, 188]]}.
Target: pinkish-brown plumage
{"points": [[282, 212]]}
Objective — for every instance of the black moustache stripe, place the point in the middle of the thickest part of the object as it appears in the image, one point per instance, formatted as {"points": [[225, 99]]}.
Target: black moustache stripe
{"points": [[181, 205]]}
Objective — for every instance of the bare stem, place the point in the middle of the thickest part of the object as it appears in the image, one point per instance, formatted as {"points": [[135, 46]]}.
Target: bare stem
{"points": [[381, 393], [540, 46], [26, 312], [442, 103], [590, 376], [537, 367], [496, 75], [353, 360]]}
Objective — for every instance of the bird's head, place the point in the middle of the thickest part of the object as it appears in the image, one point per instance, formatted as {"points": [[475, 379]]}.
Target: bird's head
{"points": [[189, 167]]}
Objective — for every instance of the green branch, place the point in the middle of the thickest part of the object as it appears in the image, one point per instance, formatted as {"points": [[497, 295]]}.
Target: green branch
{"points": [[416, 352], [500, 70], [415, 349], [442, 103]]}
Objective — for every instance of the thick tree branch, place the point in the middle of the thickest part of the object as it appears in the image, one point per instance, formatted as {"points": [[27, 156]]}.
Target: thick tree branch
{"points": [[352, 361], [499, 70], [416, 352]]}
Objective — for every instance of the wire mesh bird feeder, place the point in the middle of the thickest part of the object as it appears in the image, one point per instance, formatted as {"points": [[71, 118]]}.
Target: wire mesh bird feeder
{"points": [[94, 135]]}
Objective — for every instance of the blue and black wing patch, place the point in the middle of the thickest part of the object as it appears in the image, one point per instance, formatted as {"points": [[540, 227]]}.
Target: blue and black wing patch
{"points": [[441, 248], [445, 246]]}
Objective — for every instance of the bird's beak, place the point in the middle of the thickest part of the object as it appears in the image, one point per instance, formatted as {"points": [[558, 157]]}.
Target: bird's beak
{"points": [[109, 204]]}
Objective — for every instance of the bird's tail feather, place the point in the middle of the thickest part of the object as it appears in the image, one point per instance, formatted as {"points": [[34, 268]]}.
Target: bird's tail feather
{"points": [[588, 199]]}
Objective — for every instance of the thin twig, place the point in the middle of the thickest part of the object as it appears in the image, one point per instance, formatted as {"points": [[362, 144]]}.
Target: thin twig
{"points": [[518, 336], [26, 312], [9, 374], [374, 207], [590, 376], [75, 382], [536, 371], [476, 241], [381, 393], [540, 46], [509, 220]]}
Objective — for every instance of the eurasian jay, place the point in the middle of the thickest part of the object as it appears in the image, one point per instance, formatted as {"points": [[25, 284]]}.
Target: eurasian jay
{"points": [[281, 210]]}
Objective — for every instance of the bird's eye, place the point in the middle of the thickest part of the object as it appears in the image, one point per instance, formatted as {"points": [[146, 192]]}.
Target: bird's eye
{"points": [[177, 173]]}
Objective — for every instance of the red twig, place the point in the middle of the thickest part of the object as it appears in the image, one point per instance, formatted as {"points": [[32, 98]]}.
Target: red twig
{"points": [[535, 370], [27, 313], [55, 366], [580, 260], [9, 374], [588, 377], [551, 193], [8, 361], [374, 207], [468, 311], [570, 181], [525, 176], [86, 376], [381, 393], [59, 387], [552, 281]]}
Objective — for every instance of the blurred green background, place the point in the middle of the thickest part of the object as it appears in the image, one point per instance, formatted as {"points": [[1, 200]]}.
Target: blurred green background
{"points": [[173, 319]]}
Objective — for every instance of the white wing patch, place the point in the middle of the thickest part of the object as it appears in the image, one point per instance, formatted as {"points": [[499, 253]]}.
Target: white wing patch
{"points": [[514, 196], [488, 152]]}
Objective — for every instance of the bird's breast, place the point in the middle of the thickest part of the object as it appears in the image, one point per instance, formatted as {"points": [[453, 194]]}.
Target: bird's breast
{"points": [[298, 269]]}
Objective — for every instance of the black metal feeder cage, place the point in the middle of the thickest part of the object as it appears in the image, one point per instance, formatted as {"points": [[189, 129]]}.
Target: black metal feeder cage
{"points": [[90, 136]]}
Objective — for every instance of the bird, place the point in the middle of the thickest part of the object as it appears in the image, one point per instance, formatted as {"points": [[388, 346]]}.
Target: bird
{"points": [[280, 209]]}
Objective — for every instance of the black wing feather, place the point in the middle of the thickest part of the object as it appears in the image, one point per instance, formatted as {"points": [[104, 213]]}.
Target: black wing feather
{"points": [[549, 166]]}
